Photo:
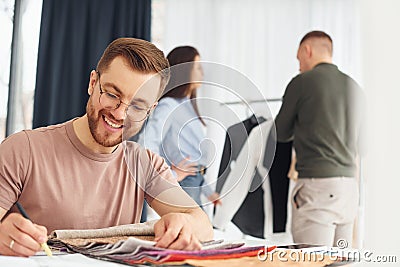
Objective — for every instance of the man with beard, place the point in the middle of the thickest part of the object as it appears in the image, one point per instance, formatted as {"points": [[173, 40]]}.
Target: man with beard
{"points": [[74, 175]]}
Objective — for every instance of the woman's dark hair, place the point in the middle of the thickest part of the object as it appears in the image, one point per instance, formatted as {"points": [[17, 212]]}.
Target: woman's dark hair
{"points": [[179, 83]]}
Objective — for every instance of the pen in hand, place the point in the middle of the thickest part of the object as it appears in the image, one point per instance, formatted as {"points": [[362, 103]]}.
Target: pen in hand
{"points": [[44, 246]]}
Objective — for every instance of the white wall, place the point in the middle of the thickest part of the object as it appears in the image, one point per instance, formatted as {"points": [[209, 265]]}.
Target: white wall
{"points": [[259, 39], [381, 57]]}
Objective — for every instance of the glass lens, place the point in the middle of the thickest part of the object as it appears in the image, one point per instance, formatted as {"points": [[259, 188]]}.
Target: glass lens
{"points": [[109, 101], [136, 111], [135, 114]]}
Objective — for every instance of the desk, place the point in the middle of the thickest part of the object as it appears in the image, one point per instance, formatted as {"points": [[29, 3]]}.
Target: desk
{"points": [[79, 260], [67, 260], [70, 260]]}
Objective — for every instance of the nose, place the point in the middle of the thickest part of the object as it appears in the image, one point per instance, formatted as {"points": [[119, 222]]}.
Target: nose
{"points": [[120, 112]]}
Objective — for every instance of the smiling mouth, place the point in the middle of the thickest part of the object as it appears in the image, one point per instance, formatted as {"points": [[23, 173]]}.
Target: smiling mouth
{"points": [[111, 124]]}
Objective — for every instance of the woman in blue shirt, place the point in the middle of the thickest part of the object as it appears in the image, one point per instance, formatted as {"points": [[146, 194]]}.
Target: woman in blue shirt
{"points": [[176, 130]]}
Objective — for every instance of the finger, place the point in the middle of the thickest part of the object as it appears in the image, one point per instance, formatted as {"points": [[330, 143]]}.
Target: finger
{"points": [[186, 241], [184, 167], [26, 233], [191, 164], [159, 229], [6, 251], [189, 173], [195, 244], [188, 167], [183, 161], [21, 249], [170, 235], [186, 161], [187, 170], [42, 229], [191, 168], [5, 241], [9, 246], [183, 241]]}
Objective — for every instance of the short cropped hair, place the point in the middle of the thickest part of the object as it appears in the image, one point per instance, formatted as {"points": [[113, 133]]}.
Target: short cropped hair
{"points": [[140, 55], [318, 34]]}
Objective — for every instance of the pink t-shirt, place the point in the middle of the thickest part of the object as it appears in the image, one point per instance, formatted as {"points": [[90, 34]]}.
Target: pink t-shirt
{"points": [[64, 185]]}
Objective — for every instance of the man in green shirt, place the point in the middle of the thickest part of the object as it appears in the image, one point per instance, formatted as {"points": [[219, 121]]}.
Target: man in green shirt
{"points": [[321, 112]]}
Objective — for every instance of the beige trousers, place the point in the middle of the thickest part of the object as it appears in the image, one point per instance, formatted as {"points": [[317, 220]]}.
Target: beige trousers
{"points": [[324, 210]]}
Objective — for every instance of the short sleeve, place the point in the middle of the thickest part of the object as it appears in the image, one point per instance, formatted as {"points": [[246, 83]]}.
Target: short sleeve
{"points": [[158, 176], [14, 166]]}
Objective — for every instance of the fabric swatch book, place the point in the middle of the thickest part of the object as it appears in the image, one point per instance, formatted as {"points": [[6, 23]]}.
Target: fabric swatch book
{"points": [[133, 244]]}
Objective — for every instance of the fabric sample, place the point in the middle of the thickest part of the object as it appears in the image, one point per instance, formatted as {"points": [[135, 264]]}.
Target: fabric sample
{"points": [[146, 228]]}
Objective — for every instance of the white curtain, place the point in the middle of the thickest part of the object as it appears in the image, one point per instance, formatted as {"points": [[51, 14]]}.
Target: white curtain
{"points": [[260, 37]]}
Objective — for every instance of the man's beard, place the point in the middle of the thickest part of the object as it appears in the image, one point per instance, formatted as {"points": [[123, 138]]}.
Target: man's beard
{"points": [[94, 121]]}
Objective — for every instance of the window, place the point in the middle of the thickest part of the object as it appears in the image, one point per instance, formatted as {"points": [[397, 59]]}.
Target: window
{"points": [[6, 29], [19, 41]]}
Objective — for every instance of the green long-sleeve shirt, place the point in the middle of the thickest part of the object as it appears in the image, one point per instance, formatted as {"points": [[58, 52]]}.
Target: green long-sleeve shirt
{"points": [[321, 112]]}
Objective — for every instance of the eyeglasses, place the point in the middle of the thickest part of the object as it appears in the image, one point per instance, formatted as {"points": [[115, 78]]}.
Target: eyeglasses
{"points": [[135, 111]]}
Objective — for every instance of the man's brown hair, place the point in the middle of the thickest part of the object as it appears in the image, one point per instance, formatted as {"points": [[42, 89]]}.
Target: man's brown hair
{"points": [[141, 56], [318, 34]]}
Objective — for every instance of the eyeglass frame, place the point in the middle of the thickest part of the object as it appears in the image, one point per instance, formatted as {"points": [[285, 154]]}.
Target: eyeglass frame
{"points": [[102, 91]]}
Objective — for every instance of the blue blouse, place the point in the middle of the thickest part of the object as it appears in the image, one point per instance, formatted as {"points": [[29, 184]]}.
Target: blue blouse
{"points": [[175, 132]]}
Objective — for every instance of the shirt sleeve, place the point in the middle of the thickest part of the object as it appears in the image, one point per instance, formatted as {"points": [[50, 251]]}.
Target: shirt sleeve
{"points": [[158, 175], [152, 136], [206, 190], [287, 115], [14, 165]]}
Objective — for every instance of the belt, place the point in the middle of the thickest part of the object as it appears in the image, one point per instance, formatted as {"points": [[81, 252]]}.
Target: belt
{"points": [[202, 169]]}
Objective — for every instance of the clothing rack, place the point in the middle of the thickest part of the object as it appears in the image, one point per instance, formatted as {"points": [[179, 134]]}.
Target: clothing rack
{"points": [[252, 101]]}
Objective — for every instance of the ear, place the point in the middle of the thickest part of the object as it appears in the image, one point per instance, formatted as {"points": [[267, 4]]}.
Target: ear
{"points": [[92, 81], [308, 50]]}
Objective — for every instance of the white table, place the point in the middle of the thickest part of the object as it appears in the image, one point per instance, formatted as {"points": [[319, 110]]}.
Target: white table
{"points": [[67, 260], [79, 260]]}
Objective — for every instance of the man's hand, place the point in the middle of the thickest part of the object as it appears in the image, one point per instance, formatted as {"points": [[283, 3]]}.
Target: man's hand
{"points": [[174, 231], [293, 174], [215, 199], [20, 237], [184, 168]]}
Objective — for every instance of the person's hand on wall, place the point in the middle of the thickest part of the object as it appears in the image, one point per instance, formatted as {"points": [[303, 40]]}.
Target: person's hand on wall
{"points": [[184, 168]]}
